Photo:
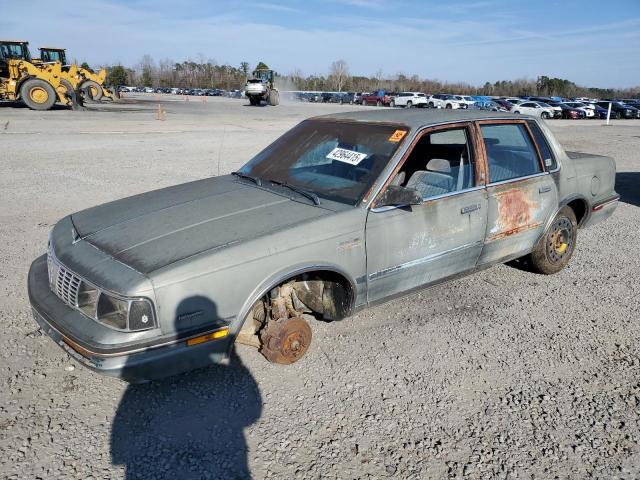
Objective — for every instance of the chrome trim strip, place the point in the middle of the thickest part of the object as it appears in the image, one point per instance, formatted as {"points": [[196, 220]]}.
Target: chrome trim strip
{"points": [[429, 199], [517, 179], [419, 261], [604, 203]]}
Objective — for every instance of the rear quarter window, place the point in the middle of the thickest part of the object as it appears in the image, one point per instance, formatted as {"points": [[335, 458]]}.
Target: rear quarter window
{"points": [[548, 158]]}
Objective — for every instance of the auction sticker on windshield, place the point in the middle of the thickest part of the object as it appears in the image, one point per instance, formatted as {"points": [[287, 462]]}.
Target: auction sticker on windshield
{"points": [[397, 136], [346, 156]]}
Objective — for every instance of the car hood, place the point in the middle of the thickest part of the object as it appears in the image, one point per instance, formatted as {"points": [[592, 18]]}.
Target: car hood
{"points": [[157, 228]]}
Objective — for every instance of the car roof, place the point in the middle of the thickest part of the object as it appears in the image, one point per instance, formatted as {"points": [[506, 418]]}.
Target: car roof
{"points": [[416, 118]]}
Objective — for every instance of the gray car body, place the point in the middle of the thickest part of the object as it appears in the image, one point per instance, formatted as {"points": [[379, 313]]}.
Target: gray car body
{"points": [[203, 252]]}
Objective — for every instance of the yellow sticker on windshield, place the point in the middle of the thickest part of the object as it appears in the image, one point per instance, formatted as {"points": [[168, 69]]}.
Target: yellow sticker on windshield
{"points": [[397, 136]]}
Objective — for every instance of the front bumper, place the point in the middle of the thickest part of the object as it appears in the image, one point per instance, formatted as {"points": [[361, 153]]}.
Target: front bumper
{"points": [[133, 363]]}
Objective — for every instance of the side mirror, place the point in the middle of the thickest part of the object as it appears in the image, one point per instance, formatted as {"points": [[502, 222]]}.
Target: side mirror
{"points": [[395, 195]]}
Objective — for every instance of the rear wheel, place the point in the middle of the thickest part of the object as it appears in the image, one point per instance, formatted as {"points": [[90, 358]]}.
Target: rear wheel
{"points": [[554, 250], [91, 90], [378, 103], [38, 94], [545, 115], [517, 112], [254, 101]]}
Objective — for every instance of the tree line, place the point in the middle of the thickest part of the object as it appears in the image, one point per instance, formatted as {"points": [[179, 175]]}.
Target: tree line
{"points": [[208, 74]]}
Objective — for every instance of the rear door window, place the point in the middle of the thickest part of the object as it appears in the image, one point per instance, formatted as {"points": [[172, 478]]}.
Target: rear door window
{"points": [[510, 151]]}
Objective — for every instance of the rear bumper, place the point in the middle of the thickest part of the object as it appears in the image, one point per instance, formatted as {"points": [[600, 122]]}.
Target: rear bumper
{"points": [[133, 363]]}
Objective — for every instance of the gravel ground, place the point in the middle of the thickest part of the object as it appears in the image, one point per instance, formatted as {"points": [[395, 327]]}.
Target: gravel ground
{"points": [[504, 374]]}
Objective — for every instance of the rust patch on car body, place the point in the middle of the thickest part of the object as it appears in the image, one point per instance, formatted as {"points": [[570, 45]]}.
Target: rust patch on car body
{"points": [[515, 213]]}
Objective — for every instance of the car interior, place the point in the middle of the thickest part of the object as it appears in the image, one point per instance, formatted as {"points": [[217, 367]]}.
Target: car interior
{"points": [[439, 163]]}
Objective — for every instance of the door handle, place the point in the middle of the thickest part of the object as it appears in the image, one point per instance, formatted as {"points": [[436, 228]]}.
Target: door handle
{"points": [[545, 189], [470, 208]]}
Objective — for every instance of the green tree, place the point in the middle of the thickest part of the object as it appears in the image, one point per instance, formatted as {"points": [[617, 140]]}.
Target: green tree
{"points": [[262, 66], [117, 75], [244, 67]]}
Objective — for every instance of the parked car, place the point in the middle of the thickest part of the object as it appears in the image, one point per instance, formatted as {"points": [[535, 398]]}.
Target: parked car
{"points": [[380, 99], [346, 98], [507, 106], [488, 105], [357, 97], [443, 100], [329, 219], [464, 100], [533, 108], [409, 100], [589, 112], [567, 111], [557, 111], [618, 109]]}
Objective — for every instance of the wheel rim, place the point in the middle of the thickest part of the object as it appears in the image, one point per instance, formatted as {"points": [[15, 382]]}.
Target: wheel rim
{"points": [[560, 240], [94, 91], [38, 95]]}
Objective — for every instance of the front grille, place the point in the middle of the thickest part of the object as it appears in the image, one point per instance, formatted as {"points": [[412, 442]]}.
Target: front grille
{"points": [[67, 286], [63, 282]]}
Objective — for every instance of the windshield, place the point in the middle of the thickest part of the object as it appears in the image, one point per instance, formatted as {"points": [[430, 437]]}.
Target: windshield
{"points": [[14, 50], [335, 160]]}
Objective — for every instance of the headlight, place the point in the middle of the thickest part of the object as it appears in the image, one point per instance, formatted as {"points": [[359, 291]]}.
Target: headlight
{"points": [[111, 310]]}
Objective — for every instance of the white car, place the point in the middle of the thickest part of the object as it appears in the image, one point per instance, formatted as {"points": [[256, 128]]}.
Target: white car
{"points": [[589, 110], [442, 100], [533, 108], [409, 100], [515, 101], [464, 99]]}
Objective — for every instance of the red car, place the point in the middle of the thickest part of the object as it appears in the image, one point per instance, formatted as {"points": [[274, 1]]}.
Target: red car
{"points": [[380, 99]]}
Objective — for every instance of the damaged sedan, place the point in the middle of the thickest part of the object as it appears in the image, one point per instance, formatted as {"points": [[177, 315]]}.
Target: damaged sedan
{"points": [[340, 213]]}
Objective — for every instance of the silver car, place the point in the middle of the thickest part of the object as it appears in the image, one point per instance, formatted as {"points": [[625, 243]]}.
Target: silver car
{"points": [[340, 213]]}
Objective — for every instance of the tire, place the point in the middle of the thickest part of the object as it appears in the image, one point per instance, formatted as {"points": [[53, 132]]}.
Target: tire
{"points": [[378, 103], [545, 115], [274, 98], [91, 90], [254, 101], [393, 103], [431, 105], [517, 112], [617, 115], [448, 106], [554, 250], [38, 94], [409, 104]]}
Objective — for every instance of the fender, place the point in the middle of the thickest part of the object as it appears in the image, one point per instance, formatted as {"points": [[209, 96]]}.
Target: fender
{"points": [[273, 280]]}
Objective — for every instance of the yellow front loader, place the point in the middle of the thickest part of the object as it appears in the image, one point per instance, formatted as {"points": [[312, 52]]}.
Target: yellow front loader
{"points": [[91, 83], [39, 86]]}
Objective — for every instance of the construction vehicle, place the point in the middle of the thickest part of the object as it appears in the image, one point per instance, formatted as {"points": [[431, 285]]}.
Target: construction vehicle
{"points": [[38, 85], [261, 87], [91, 84]]}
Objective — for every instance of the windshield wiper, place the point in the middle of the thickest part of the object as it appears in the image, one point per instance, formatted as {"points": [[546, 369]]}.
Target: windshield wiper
{"points": [[310, 195], [255, 180]]}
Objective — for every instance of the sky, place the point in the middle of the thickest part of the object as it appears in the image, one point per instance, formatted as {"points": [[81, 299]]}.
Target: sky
{"points": [[593, 43]]}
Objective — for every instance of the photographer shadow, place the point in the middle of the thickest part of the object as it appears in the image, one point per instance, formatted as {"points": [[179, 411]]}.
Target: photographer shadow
{"points": [[189, 426]]}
